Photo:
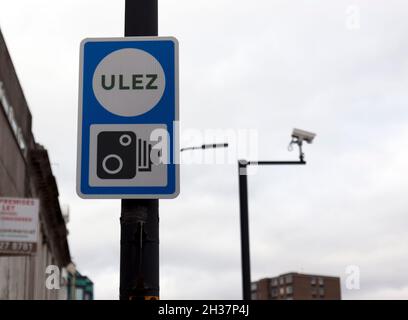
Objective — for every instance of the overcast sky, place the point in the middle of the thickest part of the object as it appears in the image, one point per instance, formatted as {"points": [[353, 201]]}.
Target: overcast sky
{"points": [[337, 68]]}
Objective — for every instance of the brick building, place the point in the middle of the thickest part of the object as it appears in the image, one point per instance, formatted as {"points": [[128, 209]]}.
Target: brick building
{"points": [[297, 286], [25, 172]]}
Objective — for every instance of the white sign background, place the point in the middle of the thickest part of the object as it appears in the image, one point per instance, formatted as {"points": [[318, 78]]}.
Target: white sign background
{"points": [[19, 219]]}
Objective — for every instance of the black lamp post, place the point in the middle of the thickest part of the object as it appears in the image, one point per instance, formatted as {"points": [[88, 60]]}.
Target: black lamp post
{"points": [[298, 136]]}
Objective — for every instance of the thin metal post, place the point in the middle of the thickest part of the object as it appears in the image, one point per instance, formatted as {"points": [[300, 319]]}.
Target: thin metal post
{"points": [[139, 246], [243, 205], [245, 254]]}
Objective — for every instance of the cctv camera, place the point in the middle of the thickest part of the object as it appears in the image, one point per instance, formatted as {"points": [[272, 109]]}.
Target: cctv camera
{"points": [[302, 135]]}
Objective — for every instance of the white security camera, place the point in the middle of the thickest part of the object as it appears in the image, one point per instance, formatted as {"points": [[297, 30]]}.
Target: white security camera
{"points": [[302, 135]]}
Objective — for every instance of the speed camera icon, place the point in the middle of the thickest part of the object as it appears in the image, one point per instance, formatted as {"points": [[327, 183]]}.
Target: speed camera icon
{"points": [[128, 155], [116, 155]]}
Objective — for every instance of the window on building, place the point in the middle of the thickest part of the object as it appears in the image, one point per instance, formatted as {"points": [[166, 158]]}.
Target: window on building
{"points": [[289, 278], [313, 281], [321, 281], [314, 292], [274, 282], [289, 289], [79, 294], [254, 286], [321, 292], [282, 291], [254, 296], [274, 292], [281, 280]]}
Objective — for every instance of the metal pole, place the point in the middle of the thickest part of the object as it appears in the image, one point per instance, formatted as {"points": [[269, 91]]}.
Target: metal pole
{"points": [[141, 18], [243, 205], [139, 245], [245, 254]]}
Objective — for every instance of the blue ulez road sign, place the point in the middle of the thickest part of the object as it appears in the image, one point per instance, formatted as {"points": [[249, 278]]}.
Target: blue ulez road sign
{"points": [[128, 144]]}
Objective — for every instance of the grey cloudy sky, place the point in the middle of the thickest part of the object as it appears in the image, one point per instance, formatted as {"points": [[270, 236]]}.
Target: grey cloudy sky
{"points": [[264, 65]]}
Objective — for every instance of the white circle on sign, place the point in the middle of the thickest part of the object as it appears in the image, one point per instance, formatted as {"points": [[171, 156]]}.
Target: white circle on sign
{"points": [[109, 157], [128, 82], [125, 140]]}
